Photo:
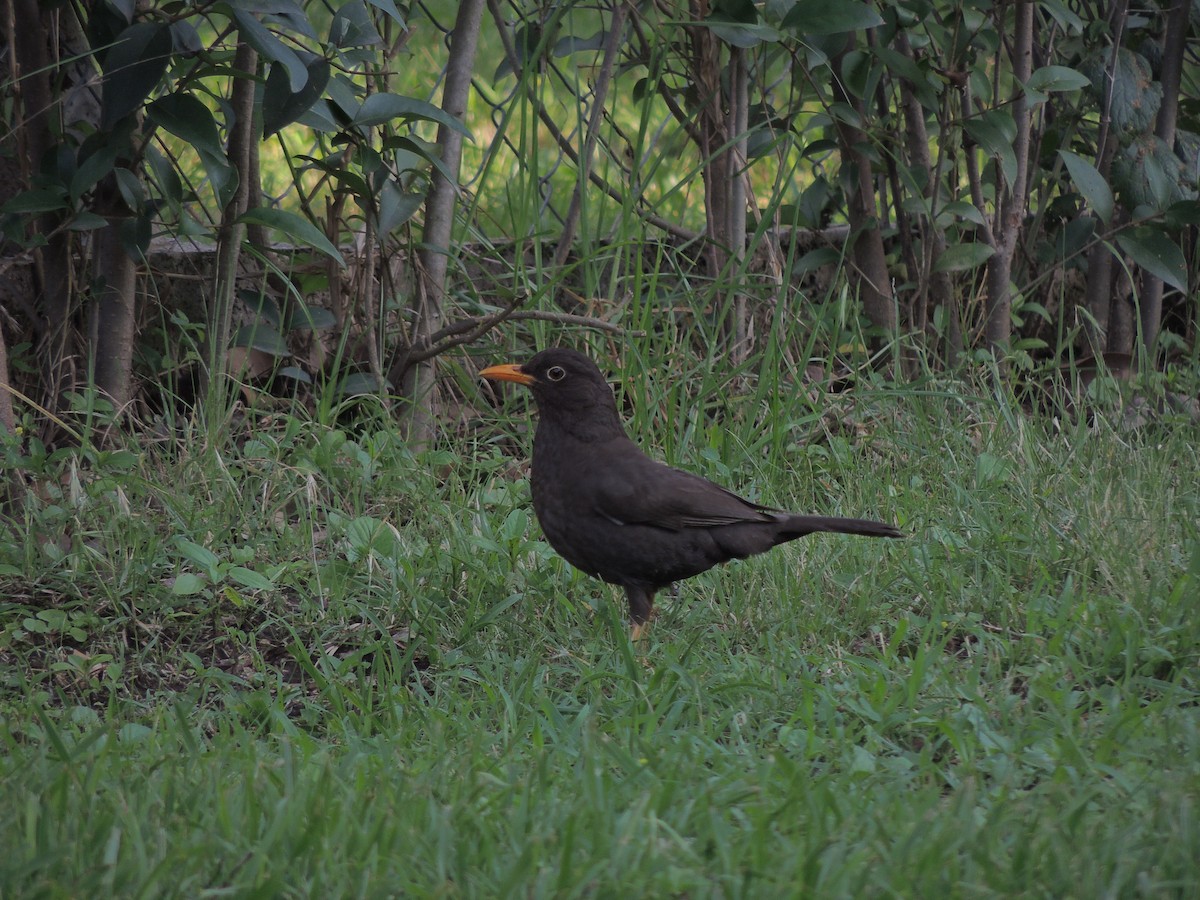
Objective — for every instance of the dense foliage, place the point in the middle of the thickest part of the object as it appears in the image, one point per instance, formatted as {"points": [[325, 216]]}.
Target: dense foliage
{"points": [[1016, 178]]}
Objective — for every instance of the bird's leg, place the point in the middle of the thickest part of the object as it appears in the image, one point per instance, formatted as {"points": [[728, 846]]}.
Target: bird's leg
{"points": [[641, 601]]}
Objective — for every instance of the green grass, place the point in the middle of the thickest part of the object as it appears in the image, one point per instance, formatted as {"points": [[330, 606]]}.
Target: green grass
{"points": [[309, 663]]}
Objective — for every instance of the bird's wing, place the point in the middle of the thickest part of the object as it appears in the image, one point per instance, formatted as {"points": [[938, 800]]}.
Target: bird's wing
{"points": [[645, 492]]}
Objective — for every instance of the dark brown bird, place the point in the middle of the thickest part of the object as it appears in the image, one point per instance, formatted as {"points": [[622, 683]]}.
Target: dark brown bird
{"points": [[616, 514]]}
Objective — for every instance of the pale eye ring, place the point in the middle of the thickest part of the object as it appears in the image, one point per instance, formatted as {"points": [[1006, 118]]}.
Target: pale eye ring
{"points": [[556, 373]]}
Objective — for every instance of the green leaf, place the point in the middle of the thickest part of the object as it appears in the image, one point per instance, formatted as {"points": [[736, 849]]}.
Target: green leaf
{"points": [[1057, 78], [525, 44], [831, 16], [202, 557], [380, 108], [963, 257], [131, 188], [133, 66], [187, 583], [281, 105], [962, 209], [135, 233], [1186, 212], [297, 228], [36, 201], [187, 118], [1155, 252], [572, 44], [248, 578], [1091, 184], [321, 117], [352, 27], [92, 169], [816, 259], [295, 373], [86, 220], [736, 22], [230, 593], [396, 207], [270, 47], [389, 9], [1146, 172], [744, 36], [261, 336], [411, 149], [261, 304], [357, 384], [370, 535], [995, 131], [166, 179], [185, 38], [134, 733], [1067, 19], [1136, 94], [915, 77], [859, 74]]}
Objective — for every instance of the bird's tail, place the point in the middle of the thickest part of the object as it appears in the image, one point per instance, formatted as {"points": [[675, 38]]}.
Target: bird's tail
{"points": [[797, 526]]}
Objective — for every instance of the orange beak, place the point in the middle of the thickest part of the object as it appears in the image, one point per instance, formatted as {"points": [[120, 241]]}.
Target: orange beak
{"points": [[507, 372]]}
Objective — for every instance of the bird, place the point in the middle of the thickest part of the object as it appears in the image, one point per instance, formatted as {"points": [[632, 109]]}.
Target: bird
{"points": [[616, 514]]}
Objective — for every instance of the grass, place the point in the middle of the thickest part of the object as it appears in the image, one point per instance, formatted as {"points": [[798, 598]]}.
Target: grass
{"points": [[310, 663]]}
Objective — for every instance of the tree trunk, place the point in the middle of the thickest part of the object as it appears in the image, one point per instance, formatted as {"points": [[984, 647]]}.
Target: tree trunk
{"points": [[218, 390], [937, 289], [8, 420], [1172, 70], [713, 132], [871, 274], [33, 68], [434, 253], [738, 332], [1121, 318], [1098, 295], [1011, 203], [114, 317]]}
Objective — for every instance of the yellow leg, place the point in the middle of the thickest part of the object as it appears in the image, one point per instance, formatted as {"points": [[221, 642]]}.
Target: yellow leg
{"points": [[636, 632]]}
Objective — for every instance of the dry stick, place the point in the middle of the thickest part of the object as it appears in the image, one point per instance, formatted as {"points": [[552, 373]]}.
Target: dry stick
{"points": [[472, 328]]}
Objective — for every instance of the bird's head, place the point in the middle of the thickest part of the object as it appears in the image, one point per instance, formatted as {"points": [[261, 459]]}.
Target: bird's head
{"points": [[566, 384]]}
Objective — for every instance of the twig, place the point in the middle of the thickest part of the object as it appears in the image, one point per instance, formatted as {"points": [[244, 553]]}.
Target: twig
{"points": [[464, 331]]}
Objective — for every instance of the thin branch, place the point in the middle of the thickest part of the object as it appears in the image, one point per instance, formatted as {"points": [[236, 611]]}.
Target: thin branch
{"points": [[470, 329], [564, 143], [599, 95]]}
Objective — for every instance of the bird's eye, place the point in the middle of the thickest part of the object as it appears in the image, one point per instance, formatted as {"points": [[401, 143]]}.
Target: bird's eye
{"points": [[556, 373]]}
